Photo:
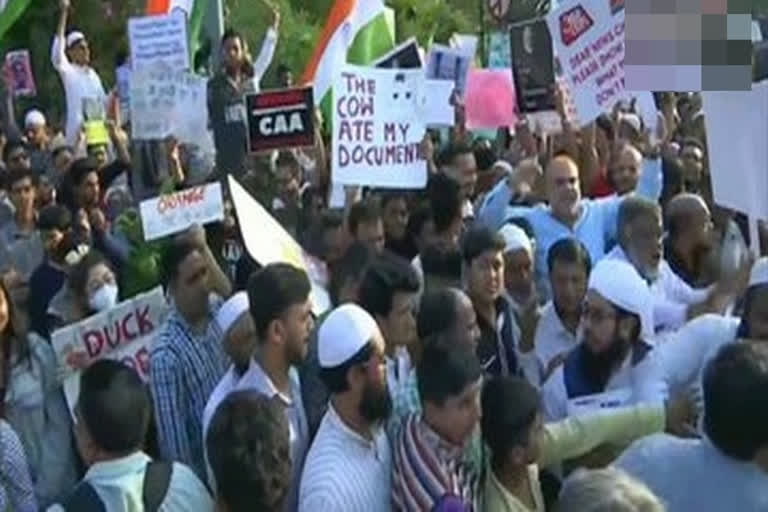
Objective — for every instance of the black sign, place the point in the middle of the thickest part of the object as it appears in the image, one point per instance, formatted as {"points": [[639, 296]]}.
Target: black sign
{"points": [[533, 66], [280, 119], [405, 56]]}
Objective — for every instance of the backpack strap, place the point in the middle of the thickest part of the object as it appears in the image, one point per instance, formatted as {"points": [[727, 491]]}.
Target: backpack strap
{"points": [[84, 499], [157, 478]]}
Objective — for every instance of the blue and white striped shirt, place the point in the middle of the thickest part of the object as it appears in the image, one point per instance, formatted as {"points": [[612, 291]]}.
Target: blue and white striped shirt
{"points": [[185, 367]]}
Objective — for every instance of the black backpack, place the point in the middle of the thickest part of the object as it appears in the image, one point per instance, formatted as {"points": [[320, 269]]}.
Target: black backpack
{"points": [[157, 477]]}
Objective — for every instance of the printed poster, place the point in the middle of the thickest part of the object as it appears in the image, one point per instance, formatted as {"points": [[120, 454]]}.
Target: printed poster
{"points": [[588, 38], [159, 41], [168, 214], [533, 66], [280, 119], [378, 128], [19, 71], [123, 333]]}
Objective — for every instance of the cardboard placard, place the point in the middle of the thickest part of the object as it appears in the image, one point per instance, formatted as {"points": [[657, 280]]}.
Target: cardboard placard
{"points": [[533, 66], [168, 214], [123, 333], [159, 41], [280, 119], [378, 128], [19, 70], [165, 102], [588, 37]]}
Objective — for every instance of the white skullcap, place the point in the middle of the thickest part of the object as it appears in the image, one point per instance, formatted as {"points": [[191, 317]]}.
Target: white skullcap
{"points": [[620, 284], [74, 37], [759, 274], [34, 118], [345, 331], [231, 311], [515, 238], [504, 165], [632, 120]]}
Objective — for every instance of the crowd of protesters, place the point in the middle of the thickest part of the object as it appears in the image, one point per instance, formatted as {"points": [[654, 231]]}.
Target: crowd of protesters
{"points": [[561, 322]]}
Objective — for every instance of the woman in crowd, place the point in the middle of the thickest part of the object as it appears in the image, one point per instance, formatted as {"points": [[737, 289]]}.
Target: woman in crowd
{"points": [[33, 403]]}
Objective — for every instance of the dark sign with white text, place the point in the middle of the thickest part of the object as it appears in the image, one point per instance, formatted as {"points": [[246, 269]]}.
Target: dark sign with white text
{"points": [[280, 119]]}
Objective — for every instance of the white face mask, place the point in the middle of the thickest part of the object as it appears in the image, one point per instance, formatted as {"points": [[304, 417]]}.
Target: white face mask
{"points": [[104, 298]]}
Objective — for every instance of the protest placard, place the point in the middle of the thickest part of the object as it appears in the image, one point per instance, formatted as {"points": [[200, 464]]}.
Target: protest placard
{"points": [[168, 214], [268, 242], [437, 106], [377, 128], [589, 42], [124, 333], [159, 41], [445, 63], [490, 100], [533, 66], [19, 73], [280, 119], [165, 102], [499, 50], [404, 56], [466, 44], [738, 156]]}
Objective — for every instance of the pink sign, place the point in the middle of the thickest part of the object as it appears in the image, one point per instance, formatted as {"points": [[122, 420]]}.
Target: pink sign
{"points": [[490, 100]]}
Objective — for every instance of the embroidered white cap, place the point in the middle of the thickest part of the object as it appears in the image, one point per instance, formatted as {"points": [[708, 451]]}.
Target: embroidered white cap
{"points": [[344, 332], [231, 311], [759, 274], [515, 238], [621, 285]]}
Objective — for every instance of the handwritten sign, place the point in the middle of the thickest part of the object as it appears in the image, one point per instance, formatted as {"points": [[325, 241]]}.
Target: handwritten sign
{"points": [[124, 333], [159, 40], [165, 102], [588, 37], [280, 119], [169, 214], [267, 242], [490, 101], [19, 73], [377, 129]]}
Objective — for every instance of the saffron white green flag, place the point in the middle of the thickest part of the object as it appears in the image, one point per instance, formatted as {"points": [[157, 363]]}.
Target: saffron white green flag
{"points": [[10, 10]]}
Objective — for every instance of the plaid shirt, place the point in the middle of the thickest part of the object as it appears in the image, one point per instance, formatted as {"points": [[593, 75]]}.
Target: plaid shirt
{"points": [[405, 401], [16, 491], [185, 367]]}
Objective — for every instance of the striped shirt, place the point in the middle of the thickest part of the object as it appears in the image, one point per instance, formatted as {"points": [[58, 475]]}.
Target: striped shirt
{"points": [[185, 367], [344, 472], [428, 470], [16, 491]]}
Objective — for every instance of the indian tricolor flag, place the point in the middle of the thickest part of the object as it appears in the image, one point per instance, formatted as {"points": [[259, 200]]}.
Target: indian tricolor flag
{"points": [[195, 10], [357, 32], [10, 10]]}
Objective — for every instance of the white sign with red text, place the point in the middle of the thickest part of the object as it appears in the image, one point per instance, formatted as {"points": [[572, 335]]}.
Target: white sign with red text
{"points": [[588, 37], [123, 333], [171, 213]]}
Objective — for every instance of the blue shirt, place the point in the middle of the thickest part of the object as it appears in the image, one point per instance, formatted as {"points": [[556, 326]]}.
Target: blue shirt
{"points": [[595, 227], [692, 474]]}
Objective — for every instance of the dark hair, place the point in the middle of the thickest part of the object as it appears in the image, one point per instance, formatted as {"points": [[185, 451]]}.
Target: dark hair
{"points": [[115, 406], [448, 155], [286, 159], [78, 275], [479, 240], [605, 124], [416, 220], [510, 406], [18, 175], [231, 33], [351, 266], [693, 141], [438, 311], [387, 275], [388, 196], [15, 342], [631, 209], [335, 378], [282, 68], [274, 289], [80, 169], [485, 156], [173, 256], [54, 216], [55, 153], [248, 445], [362, 212], [13, 145], [736, 400], [438, 261], [569, 250], [445, 370], [445, 201]]}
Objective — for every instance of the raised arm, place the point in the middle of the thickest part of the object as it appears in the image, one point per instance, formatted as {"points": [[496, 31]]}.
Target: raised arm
{"points": [[267, 52], [58, 56]]}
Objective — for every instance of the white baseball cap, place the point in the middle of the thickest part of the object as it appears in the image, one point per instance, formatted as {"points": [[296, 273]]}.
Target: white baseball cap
{"points": [[74, 37], [345, 331]]}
